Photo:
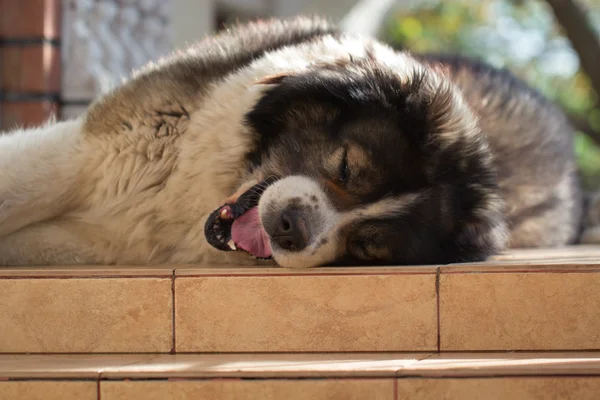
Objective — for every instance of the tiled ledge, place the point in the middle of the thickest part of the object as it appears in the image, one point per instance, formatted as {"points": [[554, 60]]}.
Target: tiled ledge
{"points": [[389, 376], [524, 300], [297, 366]]}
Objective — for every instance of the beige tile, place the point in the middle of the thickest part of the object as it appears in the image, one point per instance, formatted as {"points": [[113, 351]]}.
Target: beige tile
{"points": [[224, 270], [344, 389], [499, 388], [306, 313], [579, 251], [48, 390], [192, 270], [83, 271], [541, 265], [267, 365], [519, 311], [571, 258], [72, 366], [85, 315], [505, 364]]}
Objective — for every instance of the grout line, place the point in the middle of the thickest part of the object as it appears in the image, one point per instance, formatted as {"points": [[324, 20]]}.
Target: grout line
{"points": [[525, 271], [395, 388], [82, 353], [437, 297], [285, 275], [491, 375], [32, 277], [310, 377], [332, 353], [49, 378], [438, 271], [173, 324], [504, 376], [98, 392], [519, 351]]}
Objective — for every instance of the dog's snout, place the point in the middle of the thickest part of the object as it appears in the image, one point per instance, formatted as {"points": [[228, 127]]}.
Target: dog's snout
{"points": [[290, 231]]}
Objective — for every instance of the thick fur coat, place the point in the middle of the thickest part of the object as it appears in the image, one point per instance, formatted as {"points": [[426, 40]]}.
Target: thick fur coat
{"points": [[384, 157]]}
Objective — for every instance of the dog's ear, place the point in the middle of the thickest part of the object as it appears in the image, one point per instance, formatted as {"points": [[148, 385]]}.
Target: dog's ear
{"points": [[274, 79]]}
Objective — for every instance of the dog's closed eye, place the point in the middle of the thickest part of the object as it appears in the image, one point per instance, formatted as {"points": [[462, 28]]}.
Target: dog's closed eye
{"points": [[337, 168], [344, 168]]}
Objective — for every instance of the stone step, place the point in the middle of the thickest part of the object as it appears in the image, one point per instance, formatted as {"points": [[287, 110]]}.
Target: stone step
{"points": [[372, 376], [534, 300]]}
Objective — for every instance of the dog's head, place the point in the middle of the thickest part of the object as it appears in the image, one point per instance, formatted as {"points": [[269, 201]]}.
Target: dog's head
{"points": [[361, 164]]}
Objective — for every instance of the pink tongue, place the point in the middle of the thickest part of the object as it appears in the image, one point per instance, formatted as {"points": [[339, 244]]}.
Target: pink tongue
{"points": [[248, 234]]}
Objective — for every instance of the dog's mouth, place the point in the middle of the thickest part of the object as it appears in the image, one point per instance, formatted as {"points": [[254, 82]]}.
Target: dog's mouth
{"points": [[237, 226]]}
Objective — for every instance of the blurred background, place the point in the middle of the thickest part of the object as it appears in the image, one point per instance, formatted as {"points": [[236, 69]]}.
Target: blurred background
{"points": [[56, 56]]}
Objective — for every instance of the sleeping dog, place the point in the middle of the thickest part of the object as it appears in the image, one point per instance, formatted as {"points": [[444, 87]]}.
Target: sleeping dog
{"points": [[293, 142]]}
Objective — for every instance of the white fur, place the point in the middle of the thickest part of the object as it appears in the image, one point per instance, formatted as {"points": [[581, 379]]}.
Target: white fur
{"points": [[31, 185]]}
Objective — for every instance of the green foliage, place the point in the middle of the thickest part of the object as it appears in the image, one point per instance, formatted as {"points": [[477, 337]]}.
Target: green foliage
{"points": [[519, 35], [588, 156]]}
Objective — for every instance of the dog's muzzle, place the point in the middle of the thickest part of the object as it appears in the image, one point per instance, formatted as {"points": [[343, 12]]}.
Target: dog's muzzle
{"points": [[217, 228]]}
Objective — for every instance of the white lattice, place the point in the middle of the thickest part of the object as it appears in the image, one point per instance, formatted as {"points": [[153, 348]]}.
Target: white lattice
{"points": [[103, 40]]}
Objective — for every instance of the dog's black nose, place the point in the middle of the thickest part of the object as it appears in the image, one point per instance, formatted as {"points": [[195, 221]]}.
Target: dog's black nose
{"points": [[290, 232]]}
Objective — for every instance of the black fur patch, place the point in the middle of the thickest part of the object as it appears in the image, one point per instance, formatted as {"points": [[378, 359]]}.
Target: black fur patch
{"points": [[400, 126]]}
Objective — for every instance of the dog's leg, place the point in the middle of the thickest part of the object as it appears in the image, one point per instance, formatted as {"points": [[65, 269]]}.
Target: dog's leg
{"points": [[37, 173], [43, 244]]}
